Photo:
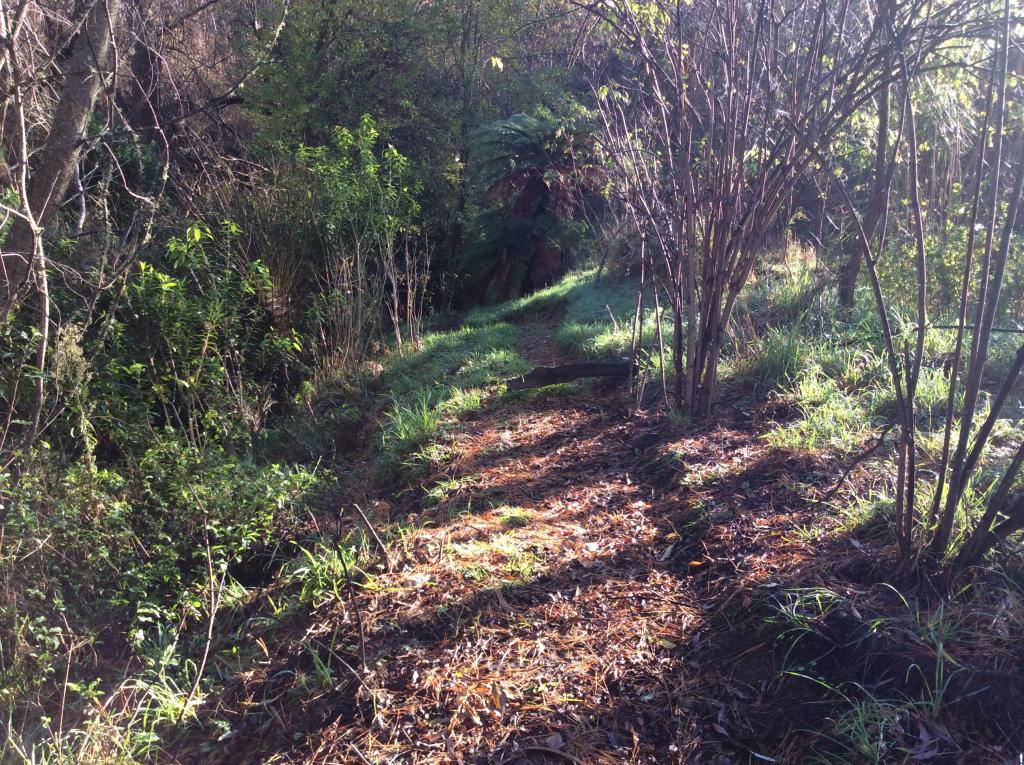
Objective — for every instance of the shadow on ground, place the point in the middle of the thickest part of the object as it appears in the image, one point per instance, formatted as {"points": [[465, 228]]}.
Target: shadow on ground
{"points": [[625, 616]]}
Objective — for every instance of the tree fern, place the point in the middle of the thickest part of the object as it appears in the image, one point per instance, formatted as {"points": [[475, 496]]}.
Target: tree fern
{"points": [[533, 174]]}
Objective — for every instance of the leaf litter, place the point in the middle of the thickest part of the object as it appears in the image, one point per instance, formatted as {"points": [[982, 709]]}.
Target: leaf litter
{"points": [[622, 621]]}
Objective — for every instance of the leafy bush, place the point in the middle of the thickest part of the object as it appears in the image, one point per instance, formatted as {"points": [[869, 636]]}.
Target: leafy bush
{"points": [[189, 348], [105, 550]]}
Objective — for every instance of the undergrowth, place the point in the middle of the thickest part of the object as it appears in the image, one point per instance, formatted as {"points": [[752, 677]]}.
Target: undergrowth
{"points": [[896, 670], [110, 567], [128, 563]]}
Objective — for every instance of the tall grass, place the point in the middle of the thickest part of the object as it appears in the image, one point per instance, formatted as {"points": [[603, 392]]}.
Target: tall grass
{"points": [[829, 417], [772, 361]]}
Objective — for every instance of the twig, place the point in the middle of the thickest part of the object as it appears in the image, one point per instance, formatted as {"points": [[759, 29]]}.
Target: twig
{"points": [[345, 664], [376, 538], [214, 603], [555, 752], [351, 594], [67, 674], [355, 607], [853, 465]]}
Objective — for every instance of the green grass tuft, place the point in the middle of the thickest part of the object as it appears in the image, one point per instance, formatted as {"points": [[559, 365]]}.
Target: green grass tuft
{"points": [[514, 517], [773, 361], [830, 418]]}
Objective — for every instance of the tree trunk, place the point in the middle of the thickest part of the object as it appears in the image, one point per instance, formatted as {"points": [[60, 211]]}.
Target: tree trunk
{"points": [[848, 277], [851, 268], [57, 159]]}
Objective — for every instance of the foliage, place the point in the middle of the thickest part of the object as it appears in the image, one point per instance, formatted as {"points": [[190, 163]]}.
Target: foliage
{"points": [[430, 73], [536, 172], [211, 357], [123, 555], [366, 209], [224, 335]]}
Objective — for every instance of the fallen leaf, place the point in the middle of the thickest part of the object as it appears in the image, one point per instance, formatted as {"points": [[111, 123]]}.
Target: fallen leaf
{"points": [[555, 741]]}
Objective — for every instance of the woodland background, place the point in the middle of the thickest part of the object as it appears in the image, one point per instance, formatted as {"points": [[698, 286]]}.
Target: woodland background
{"points": [[258, 256]]}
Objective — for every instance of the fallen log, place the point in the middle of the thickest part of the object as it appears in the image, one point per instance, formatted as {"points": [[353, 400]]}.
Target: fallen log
{"points": [[564, 373]]}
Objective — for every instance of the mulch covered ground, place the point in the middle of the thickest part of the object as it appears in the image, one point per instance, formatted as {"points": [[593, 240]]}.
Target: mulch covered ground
{"points": [[591, 588]]}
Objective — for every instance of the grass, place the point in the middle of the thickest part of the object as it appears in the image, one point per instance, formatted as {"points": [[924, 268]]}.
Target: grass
{"points": [[594, 314], [576, 291], [796, 615], [478, 573], [866, 730], [789, 345], [411, 422], [793, 347], [867, 518], [598, 321], [446, 378], [916, 714], [441, 357], [829, 417], [864, 727], [783, 293], [452, 372], [410, 399], [318, 572], [521, 565], [772, 361], [446, 489], [513, 517]]}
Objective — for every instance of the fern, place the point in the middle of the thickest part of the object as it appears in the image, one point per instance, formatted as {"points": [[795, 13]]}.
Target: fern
{"points": [[532, 172]]}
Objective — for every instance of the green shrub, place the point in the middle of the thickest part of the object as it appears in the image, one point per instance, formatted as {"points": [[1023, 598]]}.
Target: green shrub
{"points": [[101, 551]]}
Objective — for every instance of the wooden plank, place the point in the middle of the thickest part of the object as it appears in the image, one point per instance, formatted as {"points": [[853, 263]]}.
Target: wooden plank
{"points": [[564, 373]]}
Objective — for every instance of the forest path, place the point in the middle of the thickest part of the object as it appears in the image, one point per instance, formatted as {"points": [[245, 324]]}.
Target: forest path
{"points": [[555, 603], [576, 586], [537, 341], [533, 622]]}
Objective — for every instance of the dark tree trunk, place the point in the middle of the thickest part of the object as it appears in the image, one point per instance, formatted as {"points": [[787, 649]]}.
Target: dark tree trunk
{"points": [[55, 165], [847, 285]]}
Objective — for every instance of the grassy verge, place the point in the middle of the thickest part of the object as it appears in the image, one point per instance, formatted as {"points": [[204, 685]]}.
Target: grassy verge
{"points": [[429, 389]]}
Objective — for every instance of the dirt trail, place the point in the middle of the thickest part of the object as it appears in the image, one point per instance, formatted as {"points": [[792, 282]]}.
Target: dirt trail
{"points": [[582, 590], [537, 341]]}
